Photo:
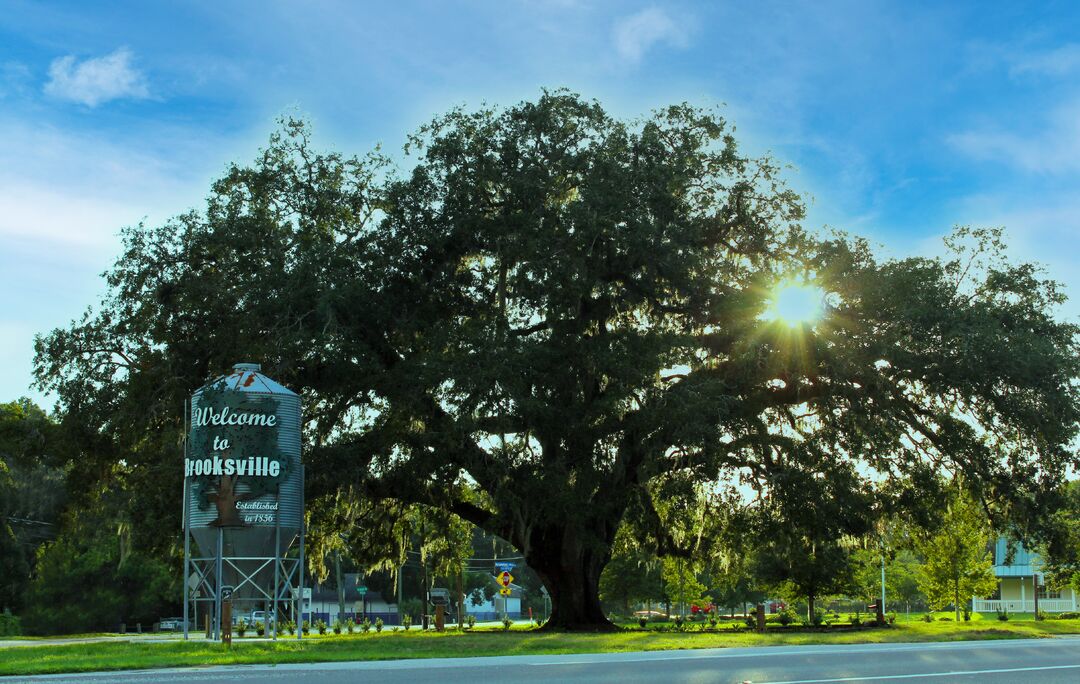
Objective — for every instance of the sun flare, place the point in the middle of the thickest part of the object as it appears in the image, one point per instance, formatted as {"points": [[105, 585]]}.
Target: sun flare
{"points": [[796, 304]]}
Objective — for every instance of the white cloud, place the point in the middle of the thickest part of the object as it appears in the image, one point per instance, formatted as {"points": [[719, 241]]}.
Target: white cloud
{"points": [[1056, 149], [635, 34], [96, 80], [1061, 61]]}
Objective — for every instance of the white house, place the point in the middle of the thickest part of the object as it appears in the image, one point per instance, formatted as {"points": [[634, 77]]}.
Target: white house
{"points": [[497, 606], [1017, 585]]}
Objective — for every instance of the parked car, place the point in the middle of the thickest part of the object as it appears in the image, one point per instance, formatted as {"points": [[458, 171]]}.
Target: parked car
{"points": [[263, 616]]}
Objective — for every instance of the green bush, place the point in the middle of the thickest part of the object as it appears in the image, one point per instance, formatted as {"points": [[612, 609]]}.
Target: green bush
{"points": [[321, 626], [1060, 616], [470, 621], [1004, 617], [929, 617], [305, 626], [642, 621], [378, 624], [817, 618], [241, 627], [350, 625], [260, 629], [406, 621], [786, 617], [9, 624], [365, 626], [506, 622], [337, 626]]}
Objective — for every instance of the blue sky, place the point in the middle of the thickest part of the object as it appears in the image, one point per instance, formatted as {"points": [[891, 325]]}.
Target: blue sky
{"points": [[901, 118]]}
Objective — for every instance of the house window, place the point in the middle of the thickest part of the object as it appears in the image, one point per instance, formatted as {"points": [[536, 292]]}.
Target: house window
{"points": [[1045, 593]]}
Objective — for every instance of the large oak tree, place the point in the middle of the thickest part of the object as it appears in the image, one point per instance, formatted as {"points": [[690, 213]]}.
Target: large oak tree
{"points": [[549, 312]]}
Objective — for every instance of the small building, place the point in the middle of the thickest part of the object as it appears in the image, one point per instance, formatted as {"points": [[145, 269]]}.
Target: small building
{"points": [[324, 604], [1017, 585], [493, 609]]}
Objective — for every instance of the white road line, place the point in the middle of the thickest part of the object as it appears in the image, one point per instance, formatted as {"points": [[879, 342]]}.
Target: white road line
{"points": [[951, 673], [858, 649]]}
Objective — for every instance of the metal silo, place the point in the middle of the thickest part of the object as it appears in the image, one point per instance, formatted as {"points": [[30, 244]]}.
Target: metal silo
{"points": [[243, 496]]}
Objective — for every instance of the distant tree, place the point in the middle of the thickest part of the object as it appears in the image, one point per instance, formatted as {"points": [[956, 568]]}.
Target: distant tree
{"points": [[33, 493], [958, 562], [90, 579], [632, 574], [902, 570], [808, 530], [1061, 550], [547, 311]]}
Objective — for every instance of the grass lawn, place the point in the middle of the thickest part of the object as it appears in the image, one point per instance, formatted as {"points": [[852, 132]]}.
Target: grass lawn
{"points": [[415, 644]]}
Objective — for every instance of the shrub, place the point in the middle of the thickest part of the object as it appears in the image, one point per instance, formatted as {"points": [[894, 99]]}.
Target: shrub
{"points": [[929, 617], [856, 620], [260, 629], [305, 626], [241, 627], [967, 615], [712, 620], [350, 625], [750, 621], [945, 619], [365, 626], [506, 621], [290, 627], [406, 621], [1068, 616], [786, 617], [1040, 615], [321, 626], [378, 624], [470, 621], [679, 622], [817, 618], [1004, 617], [642, 621], [890, 618], [337, 626]]}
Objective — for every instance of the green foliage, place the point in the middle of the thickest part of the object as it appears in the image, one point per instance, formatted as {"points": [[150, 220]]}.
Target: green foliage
{"points": [[260, 628], [470, 621], [320, 626], [786, 617], [378, 624], [337, 626], [32, 493], [406, 621], [412, 608], [958, 558], [305, 627], [365, 625], [506, 622], [110, 582], [350, 625], [241, 627], [10, 625]]}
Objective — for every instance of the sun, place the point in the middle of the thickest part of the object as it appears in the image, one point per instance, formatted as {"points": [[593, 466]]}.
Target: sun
{"points": [[796, 304]]}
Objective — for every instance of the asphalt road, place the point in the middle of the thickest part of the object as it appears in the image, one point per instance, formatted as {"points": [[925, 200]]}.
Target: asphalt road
{"points": [[1047, 661]]}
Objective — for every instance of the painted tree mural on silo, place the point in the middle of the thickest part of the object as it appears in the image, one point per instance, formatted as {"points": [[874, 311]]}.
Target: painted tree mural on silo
{"points": [[235, 435]]}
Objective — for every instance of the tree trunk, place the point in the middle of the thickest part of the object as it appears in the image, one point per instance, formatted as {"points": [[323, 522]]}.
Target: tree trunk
{"points": [[810, 608], [570, 569], [956, 599]]}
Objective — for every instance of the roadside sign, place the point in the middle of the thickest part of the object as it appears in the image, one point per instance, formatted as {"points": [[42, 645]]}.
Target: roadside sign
{"points": [[504, 566], [226, 593], [361, 590], [505, 591], [504, 578]]}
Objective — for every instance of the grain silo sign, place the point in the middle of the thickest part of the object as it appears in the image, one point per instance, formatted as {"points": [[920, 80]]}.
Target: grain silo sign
{"points": [[235, 462]]}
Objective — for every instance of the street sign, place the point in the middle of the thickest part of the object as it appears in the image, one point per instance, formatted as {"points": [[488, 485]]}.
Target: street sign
{"points": [[361, 590], [505, 591], [226, 593], [504, 566], [504, 578]]}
